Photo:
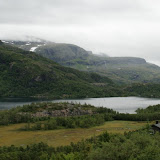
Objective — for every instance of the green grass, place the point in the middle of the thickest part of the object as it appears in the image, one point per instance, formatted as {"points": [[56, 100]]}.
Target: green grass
{"points": [[11, 135]]}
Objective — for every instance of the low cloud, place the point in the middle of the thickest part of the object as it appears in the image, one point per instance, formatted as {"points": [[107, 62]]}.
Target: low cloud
{"points": [[118, 28]]}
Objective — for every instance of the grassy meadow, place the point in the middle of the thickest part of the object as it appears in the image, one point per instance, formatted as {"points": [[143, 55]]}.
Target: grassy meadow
{"points": [[12, 135]]}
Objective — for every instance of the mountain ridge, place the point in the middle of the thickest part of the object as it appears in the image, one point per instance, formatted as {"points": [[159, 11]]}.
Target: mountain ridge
{"points": [[122, 70]]}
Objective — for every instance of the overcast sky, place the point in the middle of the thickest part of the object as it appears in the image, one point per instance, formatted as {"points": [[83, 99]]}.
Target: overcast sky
{"points": [[115, 27]]}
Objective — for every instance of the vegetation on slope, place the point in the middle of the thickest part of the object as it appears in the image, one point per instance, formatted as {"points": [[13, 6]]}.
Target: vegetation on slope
{"points": [[25, 74], [144, 90]]}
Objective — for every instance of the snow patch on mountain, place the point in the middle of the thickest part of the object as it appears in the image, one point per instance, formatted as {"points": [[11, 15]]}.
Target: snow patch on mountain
{"points": [[33, 49]]}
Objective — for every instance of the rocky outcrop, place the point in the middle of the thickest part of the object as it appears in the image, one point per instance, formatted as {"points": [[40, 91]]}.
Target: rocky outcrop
{"points": [[70, 111], [63, 113]]}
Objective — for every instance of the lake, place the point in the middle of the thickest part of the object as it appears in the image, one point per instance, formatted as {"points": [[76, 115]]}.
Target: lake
{"points": [[120, 104]]}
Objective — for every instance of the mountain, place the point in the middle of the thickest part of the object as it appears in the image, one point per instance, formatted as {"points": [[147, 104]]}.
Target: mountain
{"points": [[26, 74], [122, 70]]}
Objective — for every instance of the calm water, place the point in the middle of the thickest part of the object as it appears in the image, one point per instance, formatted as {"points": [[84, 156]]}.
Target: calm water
{"points": [[120, 104]]}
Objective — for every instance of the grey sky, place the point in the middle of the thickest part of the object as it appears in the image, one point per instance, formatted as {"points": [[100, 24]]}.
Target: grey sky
{"points": [[115, 27]]}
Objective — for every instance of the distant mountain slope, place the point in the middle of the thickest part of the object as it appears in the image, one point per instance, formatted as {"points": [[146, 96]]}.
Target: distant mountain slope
{"points": [[121, 69], [25, 74], [62, 52]]}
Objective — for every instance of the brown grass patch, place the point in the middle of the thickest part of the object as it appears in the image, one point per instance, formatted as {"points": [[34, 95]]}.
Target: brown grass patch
{"points": [[11, 135]]}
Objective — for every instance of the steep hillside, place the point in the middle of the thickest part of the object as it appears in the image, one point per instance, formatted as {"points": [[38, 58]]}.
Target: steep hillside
{"points": [[25, 74], [121, 69]]}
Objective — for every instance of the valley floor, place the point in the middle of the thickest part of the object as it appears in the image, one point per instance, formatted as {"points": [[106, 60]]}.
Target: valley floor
{"points": [[11, 135]]}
